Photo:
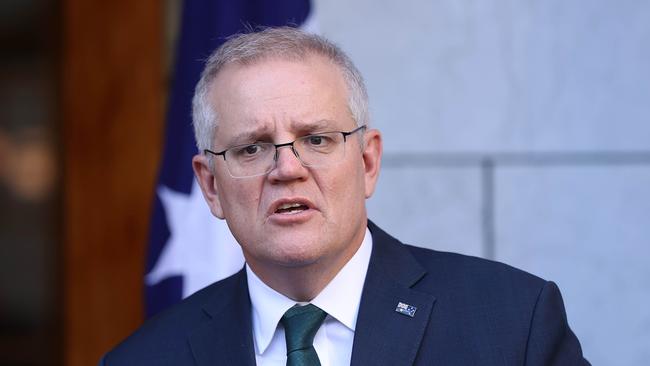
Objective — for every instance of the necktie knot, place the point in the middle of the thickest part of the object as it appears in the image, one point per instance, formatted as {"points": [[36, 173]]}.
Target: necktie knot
{"points": [[300, 326]]}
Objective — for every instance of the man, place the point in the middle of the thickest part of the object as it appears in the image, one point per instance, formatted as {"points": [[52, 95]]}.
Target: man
{"points": [[287, 159]]}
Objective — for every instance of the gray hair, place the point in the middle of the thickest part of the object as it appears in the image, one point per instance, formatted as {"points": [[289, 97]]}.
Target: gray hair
{"points": [[285, 43]]}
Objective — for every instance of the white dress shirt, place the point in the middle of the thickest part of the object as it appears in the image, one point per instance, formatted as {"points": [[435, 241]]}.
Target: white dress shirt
{"points": [[339, 299]]}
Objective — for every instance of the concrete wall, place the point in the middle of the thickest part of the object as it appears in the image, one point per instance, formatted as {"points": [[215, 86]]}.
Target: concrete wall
{"points": [[520, 131]]}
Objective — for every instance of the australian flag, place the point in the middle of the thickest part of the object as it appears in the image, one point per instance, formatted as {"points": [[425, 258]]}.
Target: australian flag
{"points": [[188, 247]]}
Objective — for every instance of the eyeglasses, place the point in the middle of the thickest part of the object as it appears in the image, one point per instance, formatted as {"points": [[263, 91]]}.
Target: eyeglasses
{"points": [[317, 150]]}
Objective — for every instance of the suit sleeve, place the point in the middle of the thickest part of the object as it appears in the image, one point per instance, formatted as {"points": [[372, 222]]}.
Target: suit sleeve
{"points": [[551, 341]]}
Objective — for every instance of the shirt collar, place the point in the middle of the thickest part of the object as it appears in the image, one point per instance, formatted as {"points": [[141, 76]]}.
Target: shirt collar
{"points": [[268, 305], [341, 297]]}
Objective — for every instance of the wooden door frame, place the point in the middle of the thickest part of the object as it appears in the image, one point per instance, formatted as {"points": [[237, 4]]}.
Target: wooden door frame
{"points": [[112, 95]]}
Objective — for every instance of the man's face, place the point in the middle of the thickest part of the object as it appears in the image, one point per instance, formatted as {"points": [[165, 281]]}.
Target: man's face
{"points": [[278, 101]]}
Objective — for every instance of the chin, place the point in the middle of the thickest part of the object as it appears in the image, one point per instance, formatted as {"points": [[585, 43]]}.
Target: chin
{"points": [[297, 253], [296, 262]]}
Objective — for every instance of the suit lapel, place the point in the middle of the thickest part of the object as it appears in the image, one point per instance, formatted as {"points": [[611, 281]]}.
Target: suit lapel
{"points": [[226, 338], [384, 336]]}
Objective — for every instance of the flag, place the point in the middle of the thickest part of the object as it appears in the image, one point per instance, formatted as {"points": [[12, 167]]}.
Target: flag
{"points": [[188, 247]]}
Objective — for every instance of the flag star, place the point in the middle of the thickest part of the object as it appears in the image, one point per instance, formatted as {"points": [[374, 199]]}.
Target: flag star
{"points": [[200, 247]]}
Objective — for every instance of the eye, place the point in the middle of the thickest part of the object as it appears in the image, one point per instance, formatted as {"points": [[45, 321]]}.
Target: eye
{"points": [[251, 149], [247, 151], [316, 140], [322, 140]]}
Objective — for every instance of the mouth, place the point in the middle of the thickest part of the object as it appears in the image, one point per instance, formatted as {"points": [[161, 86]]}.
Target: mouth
{"points": [[291, 206]]}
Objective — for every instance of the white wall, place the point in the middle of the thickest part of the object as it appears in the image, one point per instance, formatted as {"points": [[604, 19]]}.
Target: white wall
{"points": [[518, 130]]}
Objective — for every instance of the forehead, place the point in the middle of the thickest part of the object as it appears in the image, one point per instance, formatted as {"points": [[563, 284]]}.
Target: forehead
{"points": [[276, 94]]}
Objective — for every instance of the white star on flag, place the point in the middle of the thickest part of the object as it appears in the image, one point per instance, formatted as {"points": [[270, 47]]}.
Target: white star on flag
{"points": [[200, 247]]}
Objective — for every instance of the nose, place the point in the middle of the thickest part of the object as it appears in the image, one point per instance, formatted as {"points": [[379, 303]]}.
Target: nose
{"points": [[287, 165]]}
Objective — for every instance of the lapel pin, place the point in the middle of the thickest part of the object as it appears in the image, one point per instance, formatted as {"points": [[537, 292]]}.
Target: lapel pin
{"points": [[405, 309]]}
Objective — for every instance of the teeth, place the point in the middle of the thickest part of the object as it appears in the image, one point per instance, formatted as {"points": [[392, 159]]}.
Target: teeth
{"points": [[291, 208], [287, 206]]}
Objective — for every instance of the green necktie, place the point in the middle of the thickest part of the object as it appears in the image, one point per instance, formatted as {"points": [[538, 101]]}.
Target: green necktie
{"points": [[300, 326]]}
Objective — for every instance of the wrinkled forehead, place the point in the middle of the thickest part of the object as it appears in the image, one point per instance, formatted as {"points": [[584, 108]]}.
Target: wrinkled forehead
{"points": [[258, 61], [295, 94]]}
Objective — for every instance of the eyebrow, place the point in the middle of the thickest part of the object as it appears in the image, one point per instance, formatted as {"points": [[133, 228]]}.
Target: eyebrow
{"points": [[248, 136], [310, 127], [255, 134]]}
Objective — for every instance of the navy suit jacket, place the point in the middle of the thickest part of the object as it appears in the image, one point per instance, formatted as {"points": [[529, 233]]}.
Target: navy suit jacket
{"points": [[469, 311]]}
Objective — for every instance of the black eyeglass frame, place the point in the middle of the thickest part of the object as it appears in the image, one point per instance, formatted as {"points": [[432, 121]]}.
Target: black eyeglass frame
{"points": [[277, 146]]}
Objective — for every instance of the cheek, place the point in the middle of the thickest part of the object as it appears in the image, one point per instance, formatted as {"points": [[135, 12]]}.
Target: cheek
{"points": [[344, 189], [241, 199]]}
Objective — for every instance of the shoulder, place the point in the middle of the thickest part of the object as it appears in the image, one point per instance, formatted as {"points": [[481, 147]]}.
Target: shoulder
{"points": [[456, 280], [475, 283], [450, 272], [468, 271], [500, 306], [162, 339]]}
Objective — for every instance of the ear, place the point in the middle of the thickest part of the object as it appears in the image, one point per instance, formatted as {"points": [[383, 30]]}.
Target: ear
{"points": [[371, 154], [207, 182]]}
